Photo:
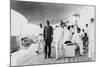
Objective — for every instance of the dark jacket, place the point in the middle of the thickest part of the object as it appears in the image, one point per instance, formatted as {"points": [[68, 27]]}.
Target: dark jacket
{"points": [[48, 33]]}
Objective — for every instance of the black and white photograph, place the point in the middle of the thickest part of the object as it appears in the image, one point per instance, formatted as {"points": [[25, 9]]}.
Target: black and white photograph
{"points": [[44, 33]]}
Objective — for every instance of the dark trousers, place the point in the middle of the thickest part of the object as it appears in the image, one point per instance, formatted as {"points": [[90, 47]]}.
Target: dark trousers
{"points": [[47, 48]]}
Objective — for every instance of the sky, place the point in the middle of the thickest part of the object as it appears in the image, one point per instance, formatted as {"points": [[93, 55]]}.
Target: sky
{"points": [[39, 12]]}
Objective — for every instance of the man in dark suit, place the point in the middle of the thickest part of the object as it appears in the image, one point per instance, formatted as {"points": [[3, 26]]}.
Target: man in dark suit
{"points": [[48, 33]]}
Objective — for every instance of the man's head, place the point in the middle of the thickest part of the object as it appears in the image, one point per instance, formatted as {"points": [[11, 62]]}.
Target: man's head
{"points": [[86, 25], [68, 27], [61, 23], [48, 22], [83, 30], [92, 20], [78, 30], [72, 26], [40, 25]]}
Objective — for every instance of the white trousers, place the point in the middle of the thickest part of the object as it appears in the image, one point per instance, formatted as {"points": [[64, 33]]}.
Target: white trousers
{"points": [[91, 51], [40, 43], [59, 48], [80, 46]]}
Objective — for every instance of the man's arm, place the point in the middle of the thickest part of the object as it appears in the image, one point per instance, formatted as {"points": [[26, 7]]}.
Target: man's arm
{"points": [[51, 31], [44, 33]]}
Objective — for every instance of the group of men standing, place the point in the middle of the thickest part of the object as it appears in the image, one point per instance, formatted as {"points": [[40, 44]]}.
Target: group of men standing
{"points": [[63, 34]]}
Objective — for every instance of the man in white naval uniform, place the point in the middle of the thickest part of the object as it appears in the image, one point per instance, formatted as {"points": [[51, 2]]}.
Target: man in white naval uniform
{"points": [[66, 34], [59, 39], [77, 39], [40, 40], [91, 50]]}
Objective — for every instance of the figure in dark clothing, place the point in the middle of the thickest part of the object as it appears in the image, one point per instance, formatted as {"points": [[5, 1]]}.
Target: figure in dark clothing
{"points": [[85, 41], [48, 37]]}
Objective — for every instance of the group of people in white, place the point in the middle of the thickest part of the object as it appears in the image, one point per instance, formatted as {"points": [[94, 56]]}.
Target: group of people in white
{"points": [[73, 34]]}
